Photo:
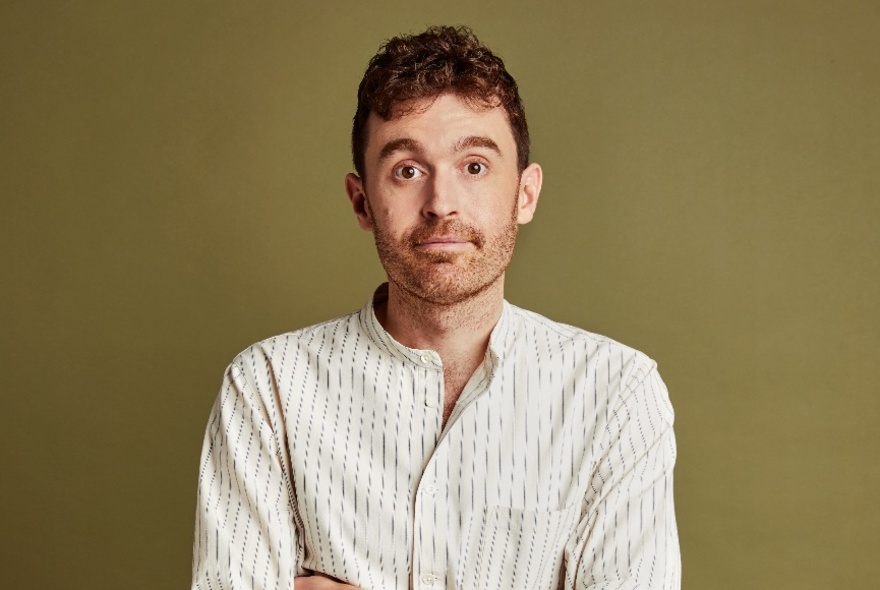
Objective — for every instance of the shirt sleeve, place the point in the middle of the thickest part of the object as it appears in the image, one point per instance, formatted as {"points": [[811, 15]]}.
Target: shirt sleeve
{"points": [[627, 539], [245, 534]]}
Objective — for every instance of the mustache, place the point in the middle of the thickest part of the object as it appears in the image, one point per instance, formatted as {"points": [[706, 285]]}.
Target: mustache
{"points": [[450, 228]]}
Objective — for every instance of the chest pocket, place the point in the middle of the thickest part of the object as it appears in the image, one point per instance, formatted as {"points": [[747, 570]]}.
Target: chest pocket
{"points": [[516, 549]]}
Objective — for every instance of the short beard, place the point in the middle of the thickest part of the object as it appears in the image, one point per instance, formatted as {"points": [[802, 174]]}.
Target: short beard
{"points": [[420, 273]]}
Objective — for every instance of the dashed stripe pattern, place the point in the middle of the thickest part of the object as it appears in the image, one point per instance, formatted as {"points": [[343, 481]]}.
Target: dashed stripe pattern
{"points": [[325, 452]]}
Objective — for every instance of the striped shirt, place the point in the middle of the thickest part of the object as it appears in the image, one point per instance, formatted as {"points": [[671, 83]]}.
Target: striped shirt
{"points": [[326, 452]]}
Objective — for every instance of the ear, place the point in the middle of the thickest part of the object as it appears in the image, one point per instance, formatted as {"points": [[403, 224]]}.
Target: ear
{"points": [[354, 186], [529, 191]]}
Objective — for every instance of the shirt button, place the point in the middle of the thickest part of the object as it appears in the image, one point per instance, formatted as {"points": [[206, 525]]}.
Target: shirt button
{"points": [[430, 402], [425, 359], [428, 579], [430, 490]]}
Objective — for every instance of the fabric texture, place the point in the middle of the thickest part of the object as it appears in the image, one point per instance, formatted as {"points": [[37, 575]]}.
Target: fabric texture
{"points": [[325, 452]]}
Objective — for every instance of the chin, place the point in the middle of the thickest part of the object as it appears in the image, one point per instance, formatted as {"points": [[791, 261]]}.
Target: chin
{"points": [[447, 289]]}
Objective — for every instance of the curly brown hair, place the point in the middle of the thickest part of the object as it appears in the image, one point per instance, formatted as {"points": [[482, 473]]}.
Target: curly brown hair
{"points": [[442, 59]]}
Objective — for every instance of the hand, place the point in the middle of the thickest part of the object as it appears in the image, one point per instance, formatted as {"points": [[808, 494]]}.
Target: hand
{"points": [[319, 582]]}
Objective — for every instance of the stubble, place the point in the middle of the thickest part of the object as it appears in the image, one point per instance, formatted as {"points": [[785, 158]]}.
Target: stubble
{"points": [[446, 278]]}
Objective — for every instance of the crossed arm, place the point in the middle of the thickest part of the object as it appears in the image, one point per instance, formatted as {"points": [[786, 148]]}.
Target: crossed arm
{"points": [[246, 534], [319, 582]]}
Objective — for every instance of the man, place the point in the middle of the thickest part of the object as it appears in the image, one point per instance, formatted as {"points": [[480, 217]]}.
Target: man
{"points": [[440, 437]]}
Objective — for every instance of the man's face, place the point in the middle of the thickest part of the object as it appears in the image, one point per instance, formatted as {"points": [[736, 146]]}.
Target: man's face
{"points": [[443, 197]]}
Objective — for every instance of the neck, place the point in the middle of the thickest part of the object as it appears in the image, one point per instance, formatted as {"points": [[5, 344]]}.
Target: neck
{"points": [[458, 332]]}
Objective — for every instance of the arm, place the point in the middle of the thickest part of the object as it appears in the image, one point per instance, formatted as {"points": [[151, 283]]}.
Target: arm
{"points": [[245, 536], [319, 582], [628, 538]]}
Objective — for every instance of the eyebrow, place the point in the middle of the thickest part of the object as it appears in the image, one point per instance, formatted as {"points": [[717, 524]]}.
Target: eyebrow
{"points": [[476, 141], [399, 145], [411, 145]]}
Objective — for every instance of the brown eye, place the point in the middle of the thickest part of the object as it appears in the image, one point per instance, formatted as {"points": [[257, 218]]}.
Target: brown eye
{"points": [[407, 172], [475, 168]]}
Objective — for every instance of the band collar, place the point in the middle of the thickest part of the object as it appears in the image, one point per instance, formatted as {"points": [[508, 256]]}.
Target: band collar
{"points": [[498, 339]]}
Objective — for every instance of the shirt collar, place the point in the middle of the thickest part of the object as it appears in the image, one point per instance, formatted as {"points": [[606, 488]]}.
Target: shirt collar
{"points": [[499, 340]]}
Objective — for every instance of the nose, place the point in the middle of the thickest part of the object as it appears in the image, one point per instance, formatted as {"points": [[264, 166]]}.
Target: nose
{"points": [[441, 198]]}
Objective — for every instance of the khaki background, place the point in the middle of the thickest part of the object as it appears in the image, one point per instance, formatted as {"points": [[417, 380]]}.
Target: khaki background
{"points": [[172, 191]]}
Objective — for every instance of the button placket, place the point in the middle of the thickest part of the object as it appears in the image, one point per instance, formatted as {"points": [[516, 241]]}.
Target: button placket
{"points": [[431, 512], [427, 361], [429, 543]]}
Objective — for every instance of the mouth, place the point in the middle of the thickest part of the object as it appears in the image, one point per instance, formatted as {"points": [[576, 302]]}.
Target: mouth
{"points": [[445, 238], [443, 243]]}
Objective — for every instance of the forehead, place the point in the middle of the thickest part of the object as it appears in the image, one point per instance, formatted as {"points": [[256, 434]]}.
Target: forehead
{"points": [[439, 123]]}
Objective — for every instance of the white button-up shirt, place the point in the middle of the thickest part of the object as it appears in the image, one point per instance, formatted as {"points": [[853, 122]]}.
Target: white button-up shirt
{"points": [[325, 452]]}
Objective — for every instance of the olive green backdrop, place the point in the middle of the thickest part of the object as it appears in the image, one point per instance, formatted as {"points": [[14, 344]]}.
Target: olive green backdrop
{"points": [[172, 191]]}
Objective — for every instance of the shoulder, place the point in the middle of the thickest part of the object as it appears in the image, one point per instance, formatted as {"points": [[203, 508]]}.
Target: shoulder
{"points": [[625, 371], [536, 329], [315, 339]]}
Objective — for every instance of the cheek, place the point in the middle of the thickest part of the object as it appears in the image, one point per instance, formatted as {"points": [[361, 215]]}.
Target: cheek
{"points": [[389, 223], [501, 211], [396, 216]]}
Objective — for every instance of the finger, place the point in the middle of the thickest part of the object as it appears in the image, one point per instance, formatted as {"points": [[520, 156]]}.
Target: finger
{"points": [[320, 582]]}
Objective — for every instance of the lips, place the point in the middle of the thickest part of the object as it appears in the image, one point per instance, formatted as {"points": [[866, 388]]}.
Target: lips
{"points": [[440, 240], [445, 233]]}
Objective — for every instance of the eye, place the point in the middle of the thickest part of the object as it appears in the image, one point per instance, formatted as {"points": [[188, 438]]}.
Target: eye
{"points": [[407, 172], [475, 168]]}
